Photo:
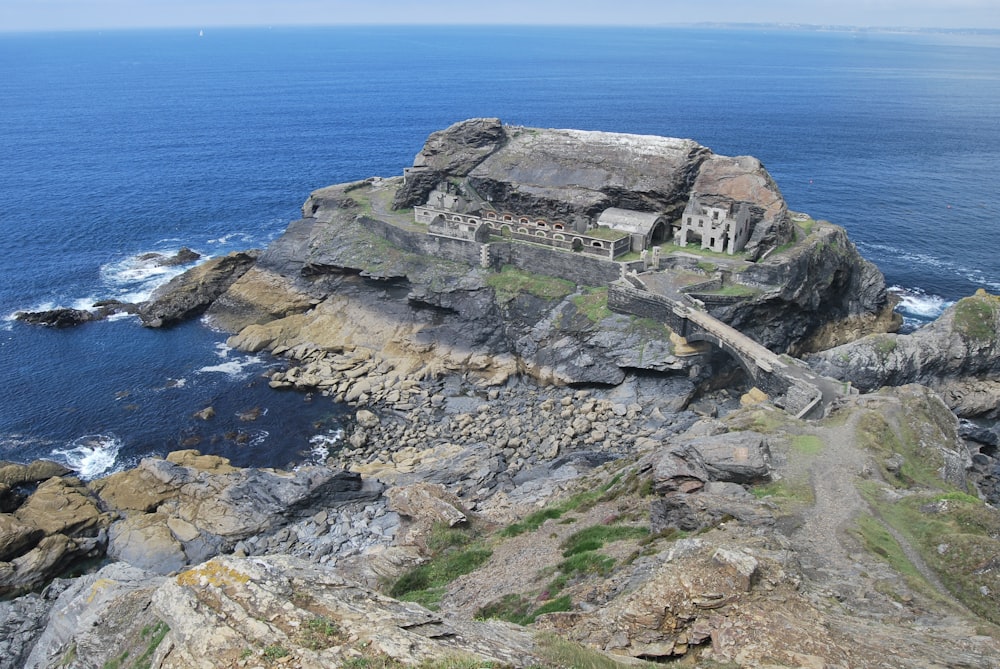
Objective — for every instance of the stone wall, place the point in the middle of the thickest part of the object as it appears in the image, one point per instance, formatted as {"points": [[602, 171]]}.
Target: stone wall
{"points": [[579, 269]]}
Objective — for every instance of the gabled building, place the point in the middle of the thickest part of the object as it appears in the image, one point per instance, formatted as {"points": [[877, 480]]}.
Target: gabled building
{"points": [[719, 223]]}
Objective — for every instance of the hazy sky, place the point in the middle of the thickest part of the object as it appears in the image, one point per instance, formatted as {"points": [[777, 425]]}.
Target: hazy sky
{"points": [[88, 14]]}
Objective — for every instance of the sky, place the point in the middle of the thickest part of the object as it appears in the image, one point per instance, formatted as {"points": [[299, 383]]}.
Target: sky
{"points": [[41, 15]]}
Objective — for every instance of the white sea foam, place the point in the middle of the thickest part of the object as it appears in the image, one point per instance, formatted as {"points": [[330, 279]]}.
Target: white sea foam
{"points": [[918, 303], [238, 367], [257, 437], [133, 279], [320, 446], [91, 455]]}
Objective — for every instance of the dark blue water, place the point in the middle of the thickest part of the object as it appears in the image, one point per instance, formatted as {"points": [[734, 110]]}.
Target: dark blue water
{"points": [[119, 143]]}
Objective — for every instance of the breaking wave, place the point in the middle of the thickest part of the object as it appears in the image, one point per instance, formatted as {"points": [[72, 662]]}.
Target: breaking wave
{"points": [[90, 456]]}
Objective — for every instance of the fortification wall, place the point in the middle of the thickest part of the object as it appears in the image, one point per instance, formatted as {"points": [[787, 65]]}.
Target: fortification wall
{"points": [[575, 267], [459, 250]]}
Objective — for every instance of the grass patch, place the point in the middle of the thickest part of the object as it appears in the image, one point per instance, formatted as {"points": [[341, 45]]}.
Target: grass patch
{"points": [[561, 653], [520, 610], [155, 635], [807, 444], [786, 493], [734, 290], [593, 304], [958, 537], [510, 282], [920, 465], [976, 316], [578, 565], [879, 540], [695, 249], [455, 552], [884, 345], [580, 502], [606, 233], [594, 537], [320, 633], [372, 659]]}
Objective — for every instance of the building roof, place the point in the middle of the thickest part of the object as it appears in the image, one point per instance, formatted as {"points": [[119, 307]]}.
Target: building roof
{"points": [[628, 220]]}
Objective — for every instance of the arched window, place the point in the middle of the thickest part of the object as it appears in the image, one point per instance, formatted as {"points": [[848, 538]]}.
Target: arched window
{"points": [[491, 215], [522, 220], [539, 233], [457, 218], [522, 231], [508, 217], [597, 245], [561, 238], [541, 224], [558, 226]]}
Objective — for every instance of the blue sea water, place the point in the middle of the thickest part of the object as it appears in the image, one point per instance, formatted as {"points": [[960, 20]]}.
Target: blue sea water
{"points": [[115, 144]]}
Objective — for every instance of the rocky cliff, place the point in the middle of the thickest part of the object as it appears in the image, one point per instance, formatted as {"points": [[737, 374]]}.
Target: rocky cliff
{"points": [[958, 355], [357, 271]]}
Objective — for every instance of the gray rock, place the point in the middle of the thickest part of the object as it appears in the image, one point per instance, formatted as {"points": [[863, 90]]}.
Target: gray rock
{"points": [[191, 293]]}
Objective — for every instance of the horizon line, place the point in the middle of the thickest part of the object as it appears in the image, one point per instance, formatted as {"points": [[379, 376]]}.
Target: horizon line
{"points": [[773, 25]]}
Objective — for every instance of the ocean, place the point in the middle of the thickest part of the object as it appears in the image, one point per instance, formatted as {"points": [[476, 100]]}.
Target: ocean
{"points": [[115, 144]]}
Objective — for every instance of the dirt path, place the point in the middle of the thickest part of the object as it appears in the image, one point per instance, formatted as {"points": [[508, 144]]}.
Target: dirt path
{"points": [[828, 552]]}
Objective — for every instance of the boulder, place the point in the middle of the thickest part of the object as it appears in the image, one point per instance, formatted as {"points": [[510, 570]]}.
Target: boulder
{"points": [[189, 507], [426, 502], [49, 558], [22, 621], [13, 474]]}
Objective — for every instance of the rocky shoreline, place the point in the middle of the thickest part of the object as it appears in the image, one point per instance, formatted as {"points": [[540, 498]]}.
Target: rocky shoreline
{"points": [[531, 478]]}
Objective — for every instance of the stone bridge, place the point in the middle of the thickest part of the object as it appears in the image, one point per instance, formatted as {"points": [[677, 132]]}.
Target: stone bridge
{"points": [[790, 384]]}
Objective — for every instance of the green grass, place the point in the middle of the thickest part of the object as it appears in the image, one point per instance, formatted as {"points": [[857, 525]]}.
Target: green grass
{"points": [[594, 537], [921, 462], [510, 282], [694, 248], [320, 633], [588, 563], [785, 492], [520, 610], [275, 652], [958, 537], [455, 552], [155, 635], [884, 345], [559, 653], [734, 290], [976, 317], [593, 304], [807, 444], [805, 226], [606, 233], [579, 502]]}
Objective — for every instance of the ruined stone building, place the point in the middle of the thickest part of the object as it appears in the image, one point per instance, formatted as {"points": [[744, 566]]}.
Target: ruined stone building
{"points": [[719, 223]]}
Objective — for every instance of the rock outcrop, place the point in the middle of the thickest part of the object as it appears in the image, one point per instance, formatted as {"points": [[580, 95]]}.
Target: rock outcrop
{"points": [[189, 507], [192, 292], [958, 355], [57, 526]]}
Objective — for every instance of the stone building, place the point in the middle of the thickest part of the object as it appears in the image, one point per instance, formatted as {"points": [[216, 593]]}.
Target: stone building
{"points": [[719, 223], [644, 228]]}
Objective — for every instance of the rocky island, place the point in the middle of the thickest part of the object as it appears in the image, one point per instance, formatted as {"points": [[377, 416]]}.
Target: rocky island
{"points": [[585, 435]]}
